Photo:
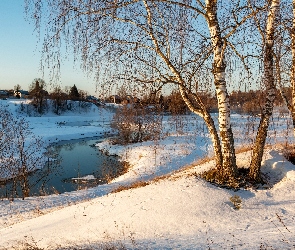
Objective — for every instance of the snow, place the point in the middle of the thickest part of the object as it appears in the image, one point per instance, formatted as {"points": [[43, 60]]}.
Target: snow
{"points": [[176, 211], [70, 125], [87, 177]]}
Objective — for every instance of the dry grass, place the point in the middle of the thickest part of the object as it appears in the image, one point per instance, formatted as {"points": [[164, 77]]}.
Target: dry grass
{"points": [[133, 185], [243, 149], [122, 169], [94, 246]]}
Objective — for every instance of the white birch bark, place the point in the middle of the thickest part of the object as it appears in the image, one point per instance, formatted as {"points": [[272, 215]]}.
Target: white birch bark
{"points": [[201, 111], [290, 103], [269, 82], [219, 65], [293, 68]]}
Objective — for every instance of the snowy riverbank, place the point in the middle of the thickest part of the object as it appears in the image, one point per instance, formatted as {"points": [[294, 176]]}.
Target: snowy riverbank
{"points": [[180, 211]]}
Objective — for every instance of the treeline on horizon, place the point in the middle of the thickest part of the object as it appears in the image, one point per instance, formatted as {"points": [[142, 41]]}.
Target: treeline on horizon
{"points": [[240, 101]]}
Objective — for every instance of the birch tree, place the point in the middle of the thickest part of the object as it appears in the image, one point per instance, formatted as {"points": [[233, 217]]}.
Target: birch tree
{"points": [[289, 24], [291, 106], [292, 77], [219, 66], [269, 82], [183, 43]]}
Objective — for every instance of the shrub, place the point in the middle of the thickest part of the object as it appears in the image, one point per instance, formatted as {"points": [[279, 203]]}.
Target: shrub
{"points": [[175, 105], [18, 157], [237, 201], [136, 123], [251, 108]]}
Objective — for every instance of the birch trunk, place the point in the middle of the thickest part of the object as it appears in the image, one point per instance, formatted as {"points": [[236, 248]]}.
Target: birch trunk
{"points": [[199, 111], [215, 139], [291, 103], [293, 68], [259, 144], [229, 167], [209, 122]]}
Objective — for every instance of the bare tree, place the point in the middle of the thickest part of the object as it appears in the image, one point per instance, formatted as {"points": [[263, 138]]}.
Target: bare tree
{"points": [[292, 33], [184, 43], [136, 123], [283, 59], [269, 82], [59, 99], [6, 133], [20, 153]]}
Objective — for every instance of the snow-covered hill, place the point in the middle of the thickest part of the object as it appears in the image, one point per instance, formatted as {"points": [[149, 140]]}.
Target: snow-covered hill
{"points": [[72, 124], [179, 211]]}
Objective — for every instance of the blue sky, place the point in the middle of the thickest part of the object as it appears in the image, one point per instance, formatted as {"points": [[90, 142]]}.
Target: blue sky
{"points": [[20, 53]]}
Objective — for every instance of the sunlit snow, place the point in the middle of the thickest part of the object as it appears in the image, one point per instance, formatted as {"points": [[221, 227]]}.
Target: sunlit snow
{"points": [[179, 211]]}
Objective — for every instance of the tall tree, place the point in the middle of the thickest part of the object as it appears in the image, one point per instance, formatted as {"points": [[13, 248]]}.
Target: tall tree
{"points": [[38, 92], [292, 33], [219, 66], [269, 83], [183, 43], [59, 99], [285, 57], [74, 93]]}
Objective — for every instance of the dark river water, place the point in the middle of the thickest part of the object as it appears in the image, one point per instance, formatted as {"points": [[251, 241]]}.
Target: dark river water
{"points": [[73, 159]]}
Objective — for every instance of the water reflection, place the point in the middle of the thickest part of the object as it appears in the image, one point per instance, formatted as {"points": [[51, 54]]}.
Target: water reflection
{"points": [[68, 162]]}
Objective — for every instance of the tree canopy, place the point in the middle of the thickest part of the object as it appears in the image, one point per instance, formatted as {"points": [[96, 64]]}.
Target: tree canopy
{"points": [[38, 91], [198, 46], [74, 93]]}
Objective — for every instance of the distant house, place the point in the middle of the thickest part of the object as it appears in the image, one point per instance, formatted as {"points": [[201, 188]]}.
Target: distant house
{"points": [[21, 94], [17, 94], [92, 99], [24, 93], [4, 94]]}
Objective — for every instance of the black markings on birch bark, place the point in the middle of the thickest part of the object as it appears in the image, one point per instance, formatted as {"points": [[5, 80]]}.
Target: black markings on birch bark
{"points": [[269, 82]]}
